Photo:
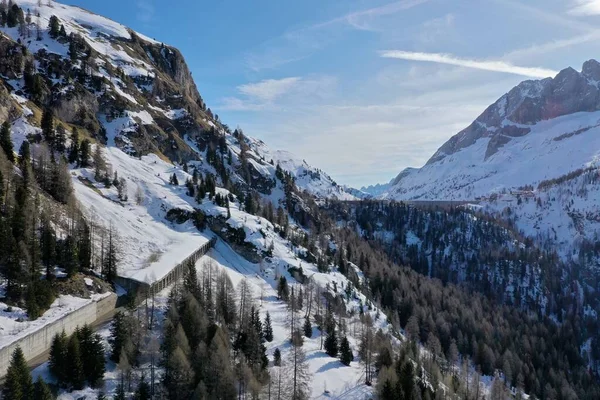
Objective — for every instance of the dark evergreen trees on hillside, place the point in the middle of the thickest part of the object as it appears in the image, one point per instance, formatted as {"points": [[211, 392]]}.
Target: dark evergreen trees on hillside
{"points": [[18, 384], [47, 125], [268, 329], [84, 154], [346, 356], [78, 359], [331, 343], [6, 142], [41, 390], [54, 27]]}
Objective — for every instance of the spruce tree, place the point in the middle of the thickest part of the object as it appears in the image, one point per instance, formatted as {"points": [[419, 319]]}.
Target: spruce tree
{"points": [[48, 128], [268, 329], [54, 27], [18, 383], [92, 355], [346, 356], [74, 149], [60, 138], [331, 343], [283, 290], [111, 259], [74, 370], [69, 255], [307, 327], [84, 154], [277, 357], [120, 393], [6, 142], [143, 390], [118, 335], [58, 358], [42, 390]]}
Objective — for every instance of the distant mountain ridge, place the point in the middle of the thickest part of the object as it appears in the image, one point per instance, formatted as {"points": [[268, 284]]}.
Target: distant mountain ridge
{"points": [[539, 130]]}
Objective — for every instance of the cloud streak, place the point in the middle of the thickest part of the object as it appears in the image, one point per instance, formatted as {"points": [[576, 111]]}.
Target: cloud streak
{"points": [[275, 94], [586, 7], [298, 44], [494, 66], [359, 19], [269, 89], [146, 11]]}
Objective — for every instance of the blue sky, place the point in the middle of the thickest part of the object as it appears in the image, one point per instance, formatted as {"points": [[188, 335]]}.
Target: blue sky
{"points": [[363, 89]]}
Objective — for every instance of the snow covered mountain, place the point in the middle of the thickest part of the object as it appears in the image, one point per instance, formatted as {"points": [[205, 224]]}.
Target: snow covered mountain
{"points": [[131, 91], [533, 156], [538, 131], [163, 175]]}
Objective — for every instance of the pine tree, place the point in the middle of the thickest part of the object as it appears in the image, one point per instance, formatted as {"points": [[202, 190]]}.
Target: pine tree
{"points": [[283, 289], [58, 358], [74, 369], [6, 142], [54, 27], [111, 259], [143, 390], [60, 138], [277, 357], [74, 149], [92, 355], [346, 356], [48, 128], [18, 383], [48, 246], [307, 327], [120, 393], [84, 154], [331, 343], [42, 390], [118, 334], [268, 329]]}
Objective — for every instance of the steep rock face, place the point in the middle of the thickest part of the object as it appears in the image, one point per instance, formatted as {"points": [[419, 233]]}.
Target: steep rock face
{"points": [[124, 89], [526, 105]]}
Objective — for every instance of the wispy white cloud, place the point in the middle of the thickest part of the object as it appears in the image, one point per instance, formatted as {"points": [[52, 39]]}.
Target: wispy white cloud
{"points": [[585, 7], [539, 14], [495, 66], [363, 19], [436, 28], [589, 32], [271, 94], [298, 44], [268, 89], [554, 45], [145, 11]]}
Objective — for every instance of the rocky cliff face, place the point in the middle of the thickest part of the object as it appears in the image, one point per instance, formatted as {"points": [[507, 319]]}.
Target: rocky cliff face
{"points": [[121, 88], [527, 104]]}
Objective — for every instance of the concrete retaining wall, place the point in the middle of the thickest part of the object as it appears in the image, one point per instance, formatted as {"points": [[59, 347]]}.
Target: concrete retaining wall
{"points": [[39, 341]]}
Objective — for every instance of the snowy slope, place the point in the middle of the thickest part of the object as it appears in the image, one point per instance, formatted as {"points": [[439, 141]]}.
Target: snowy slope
{"points": [[533, 143], [553, 148], [96, 29], [311, 179], [149, 244], [144, 231]]}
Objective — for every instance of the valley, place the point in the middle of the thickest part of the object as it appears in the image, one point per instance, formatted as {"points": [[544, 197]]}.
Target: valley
{"points": [[239, 271]]}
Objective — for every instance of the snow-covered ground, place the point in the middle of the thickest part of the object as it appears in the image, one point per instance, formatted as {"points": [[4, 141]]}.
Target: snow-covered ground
{"points": [[546, 152], [149, 245]]}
